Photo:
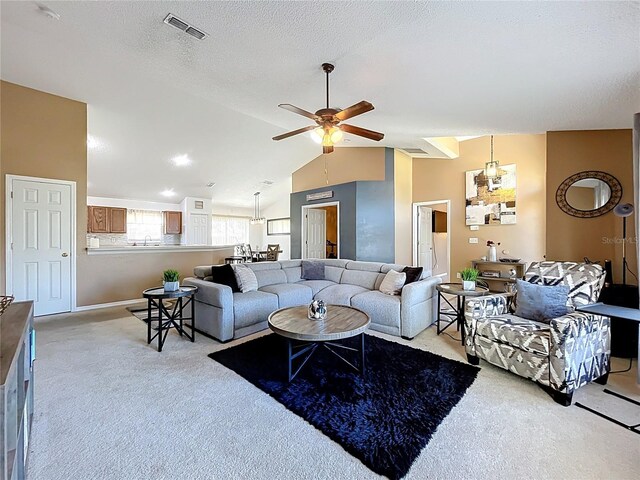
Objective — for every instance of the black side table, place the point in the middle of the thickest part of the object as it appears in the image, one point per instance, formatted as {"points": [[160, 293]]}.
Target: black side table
{"points": [[457, 311], [166, 320]]}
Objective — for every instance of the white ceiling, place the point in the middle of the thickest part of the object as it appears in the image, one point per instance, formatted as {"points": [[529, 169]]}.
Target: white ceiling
{"points": [[430, 68]]}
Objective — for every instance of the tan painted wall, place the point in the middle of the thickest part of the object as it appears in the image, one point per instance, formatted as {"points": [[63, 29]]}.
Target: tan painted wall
{"points": [[570, 238], [124, 277], [403, 188], [43, 136], [435, 179], [343, 165]]}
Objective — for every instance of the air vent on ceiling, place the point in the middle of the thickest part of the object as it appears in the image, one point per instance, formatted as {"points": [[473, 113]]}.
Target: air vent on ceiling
{"points": [[174, 21], [415, 152]]}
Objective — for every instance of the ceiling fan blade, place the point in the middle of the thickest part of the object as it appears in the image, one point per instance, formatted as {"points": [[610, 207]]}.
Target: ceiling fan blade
{"points": [[295, 132], [363, 132], [299, 111], [328, 149], [357, 109]]}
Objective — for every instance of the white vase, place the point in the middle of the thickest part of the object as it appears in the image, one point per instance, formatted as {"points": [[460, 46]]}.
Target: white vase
{"points": [[493, 254], [468, 285], [171, 286]]}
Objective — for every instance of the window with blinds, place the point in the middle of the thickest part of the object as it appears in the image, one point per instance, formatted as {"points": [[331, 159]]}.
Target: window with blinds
{"points": [[228, 230], [142, 224]]}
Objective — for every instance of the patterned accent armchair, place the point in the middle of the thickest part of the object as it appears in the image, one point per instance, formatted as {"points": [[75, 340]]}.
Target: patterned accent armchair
{"points": [[562, 355]]}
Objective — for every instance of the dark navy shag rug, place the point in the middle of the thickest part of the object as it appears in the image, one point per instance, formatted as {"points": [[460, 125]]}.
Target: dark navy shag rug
{"points": [[384, 418]]}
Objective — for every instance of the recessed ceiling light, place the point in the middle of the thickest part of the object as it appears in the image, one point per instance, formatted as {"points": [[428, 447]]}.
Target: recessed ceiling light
{"points": [[211, 184], [168, 193], [181, 160]]}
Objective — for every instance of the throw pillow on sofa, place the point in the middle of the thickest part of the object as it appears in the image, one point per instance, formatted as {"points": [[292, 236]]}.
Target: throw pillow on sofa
{"points": [[224, 275], [541, 302], [312, 270], [393, 282], [413, 274], [247, 281]]}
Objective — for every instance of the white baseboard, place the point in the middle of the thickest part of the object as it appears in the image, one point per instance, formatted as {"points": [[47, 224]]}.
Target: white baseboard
{"points": [[107, 305]]}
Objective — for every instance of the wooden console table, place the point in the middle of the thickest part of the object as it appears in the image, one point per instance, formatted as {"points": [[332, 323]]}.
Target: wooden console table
{"points": [[17, 353]]}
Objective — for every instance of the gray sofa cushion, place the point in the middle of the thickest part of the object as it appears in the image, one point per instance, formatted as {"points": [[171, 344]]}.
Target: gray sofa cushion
{"points": [[260, 266], [252, 307], [339, 294], [383, 309], [391, 266], [290, 263], [336, 262], [317, 285], [293, 274], [360, 277], [290, 294], [270, 277], [333, 274], [364, 266]]}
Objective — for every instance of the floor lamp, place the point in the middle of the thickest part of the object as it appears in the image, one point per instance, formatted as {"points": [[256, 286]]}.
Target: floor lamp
{"points": [[625, 210]]}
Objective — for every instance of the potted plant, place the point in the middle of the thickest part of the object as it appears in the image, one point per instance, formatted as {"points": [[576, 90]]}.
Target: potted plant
{"points": [[469, 277], [493, 251], [171, 279]]}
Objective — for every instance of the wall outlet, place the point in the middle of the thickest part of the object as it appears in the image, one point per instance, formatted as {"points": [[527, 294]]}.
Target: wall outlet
{"points": [[473, 239], [458, 275], [506, 252], [474, 227]]}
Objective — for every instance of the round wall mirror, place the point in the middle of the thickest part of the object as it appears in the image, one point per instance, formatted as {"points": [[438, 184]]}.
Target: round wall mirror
{"points": [[589, 194]]}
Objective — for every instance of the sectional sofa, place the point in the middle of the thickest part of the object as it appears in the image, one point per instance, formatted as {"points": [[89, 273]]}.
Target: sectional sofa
{"points": [[226, 315]]}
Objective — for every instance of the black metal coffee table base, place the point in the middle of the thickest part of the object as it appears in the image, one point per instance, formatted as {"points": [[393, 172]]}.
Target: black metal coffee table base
{"points": [[305, 351]]}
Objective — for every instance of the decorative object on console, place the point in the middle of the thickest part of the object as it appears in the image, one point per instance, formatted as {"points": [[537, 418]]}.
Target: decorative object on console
{"points": [[508, 272], [624, 211], [329, 130], [469, 277], [491, 201], [171, 280], [317, 310], [5, 301], [492, 255], [588, 194]]}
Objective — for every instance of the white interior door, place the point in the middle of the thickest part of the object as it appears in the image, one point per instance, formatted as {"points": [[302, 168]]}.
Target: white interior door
{"points": [[198, 227], [41, 245], [425, 238], [316, 232]]}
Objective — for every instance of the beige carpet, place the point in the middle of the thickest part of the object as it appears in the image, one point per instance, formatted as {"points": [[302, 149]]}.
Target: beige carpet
{"points": [[110, 407]]}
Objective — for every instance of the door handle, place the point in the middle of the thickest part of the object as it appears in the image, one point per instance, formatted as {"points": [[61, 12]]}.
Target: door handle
{"points": [[65, 254]]}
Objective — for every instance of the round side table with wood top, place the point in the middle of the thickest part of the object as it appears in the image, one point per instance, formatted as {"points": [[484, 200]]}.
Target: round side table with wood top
{"points": [[174, 318], [341, 322], [460, 294]]}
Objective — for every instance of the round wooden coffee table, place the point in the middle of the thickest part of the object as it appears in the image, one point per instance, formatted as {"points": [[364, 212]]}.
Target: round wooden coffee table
{"points": [[342, 322]]}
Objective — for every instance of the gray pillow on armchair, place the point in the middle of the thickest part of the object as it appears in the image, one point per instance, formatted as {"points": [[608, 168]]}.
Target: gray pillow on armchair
{"points": [[541, 302]]}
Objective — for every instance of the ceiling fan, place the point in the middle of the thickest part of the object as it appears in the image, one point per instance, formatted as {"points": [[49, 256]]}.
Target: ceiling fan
{"points": [[328, 130]]}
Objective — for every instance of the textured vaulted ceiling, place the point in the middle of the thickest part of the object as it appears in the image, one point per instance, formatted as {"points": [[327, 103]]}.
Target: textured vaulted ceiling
{"points": [[430, 68]]}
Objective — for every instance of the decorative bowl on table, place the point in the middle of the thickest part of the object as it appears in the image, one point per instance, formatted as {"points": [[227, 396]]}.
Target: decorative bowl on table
{"points": [[317, 310]]}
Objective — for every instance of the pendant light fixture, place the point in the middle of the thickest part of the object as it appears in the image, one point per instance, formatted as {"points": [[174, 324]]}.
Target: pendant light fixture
{"points": [[257, 219], [491, 167]]}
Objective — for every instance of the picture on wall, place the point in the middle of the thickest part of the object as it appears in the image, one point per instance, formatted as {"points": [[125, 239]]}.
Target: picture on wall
{"points": [[491, 201]]}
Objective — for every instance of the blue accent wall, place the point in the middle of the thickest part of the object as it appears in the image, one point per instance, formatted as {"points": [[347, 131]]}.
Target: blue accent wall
{"points": [[367, 217]]}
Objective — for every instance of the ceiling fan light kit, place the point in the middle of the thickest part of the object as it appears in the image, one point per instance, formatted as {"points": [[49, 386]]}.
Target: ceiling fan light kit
{"points": [[329, 130]]}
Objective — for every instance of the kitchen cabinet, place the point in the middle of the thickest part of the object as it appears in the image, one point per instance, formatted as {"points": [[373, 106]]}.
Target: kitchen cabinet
{"points": [[118, 220], [172, 223], [98, 221], [106, 219]]}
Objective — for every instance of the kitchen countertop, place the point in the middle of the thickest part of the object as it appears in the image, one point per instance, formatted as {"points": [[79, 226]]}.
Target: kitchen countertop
{"points": [[118, 250]]}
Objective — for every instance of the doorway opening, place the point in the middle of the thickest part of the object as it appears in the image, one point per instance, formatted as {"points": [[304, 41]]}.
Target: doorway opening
{"points": [[431, 238], [320, 236]]}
